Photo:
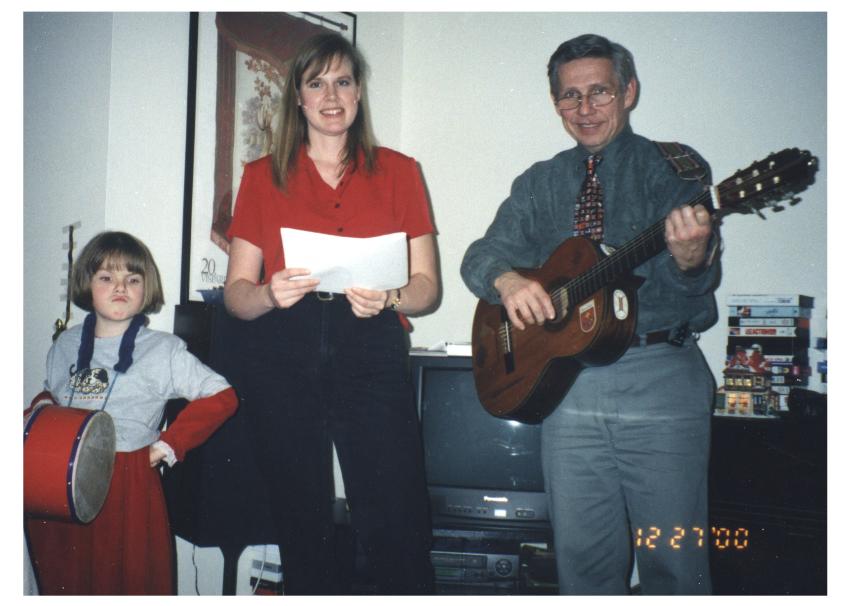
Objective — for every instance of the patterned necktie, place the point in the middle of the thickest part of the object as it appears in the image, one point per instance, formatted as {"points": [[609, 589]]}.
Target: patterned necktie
{"points": [[588, 212]]}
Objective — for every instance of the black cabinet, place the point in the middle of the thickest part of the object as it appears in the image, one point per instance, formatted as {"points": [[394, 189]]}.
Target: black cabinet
{"points": [[768, 488], [216, 496]]}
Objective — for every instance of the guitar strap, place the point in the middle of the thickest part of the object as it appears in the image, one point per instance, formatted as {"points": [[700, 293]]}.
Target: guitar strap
{"points": [[685, 165], [688, 168]]}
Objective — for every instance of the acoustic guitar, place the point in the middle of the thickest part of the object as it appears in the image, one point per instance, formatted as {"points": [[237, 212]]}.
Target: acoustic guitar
{"points": [[524, 374]]}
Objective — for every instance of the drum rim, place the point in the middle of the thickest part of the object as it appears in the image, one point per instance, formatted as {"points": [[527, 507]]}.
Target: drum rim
{"points": [[32, 419]]}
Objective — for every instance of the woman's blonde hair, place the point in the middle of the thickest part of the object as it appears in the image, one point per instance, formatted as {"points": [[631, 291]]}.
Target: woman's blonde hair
{"points": [[315, 57], [116, 249]]}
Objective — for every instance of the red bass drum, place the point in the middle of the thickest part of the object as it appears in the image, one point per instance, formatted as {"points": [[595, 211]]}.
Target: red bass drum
{"points": [[68, 460]]}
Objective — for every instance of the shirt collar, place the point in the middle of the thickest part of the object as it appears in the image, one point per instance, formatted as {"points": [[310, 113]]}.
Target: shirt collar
{"points": [[616, 146], [304, 162]]}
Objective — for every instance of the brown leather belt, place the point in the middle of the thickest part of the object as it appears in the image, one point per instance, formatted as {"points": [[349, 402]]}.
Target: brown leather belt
{"points": [[651, 338]]}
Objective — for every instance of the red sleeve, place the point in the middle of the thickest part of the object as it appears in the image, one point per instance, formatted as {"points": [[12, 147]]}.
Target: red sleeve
{"points": [[198, 420], [247, 222], [416, 218]]}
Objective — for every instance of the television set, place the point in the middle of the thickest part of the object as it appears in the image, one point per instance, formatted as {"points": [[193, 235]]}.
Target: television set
{"points": [[481, 470]]}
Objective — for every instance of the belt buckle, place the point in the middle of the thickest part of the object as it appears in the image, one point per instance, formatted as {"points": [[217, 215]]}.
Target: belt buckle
{"points": [[678, 335], [324, 296]]}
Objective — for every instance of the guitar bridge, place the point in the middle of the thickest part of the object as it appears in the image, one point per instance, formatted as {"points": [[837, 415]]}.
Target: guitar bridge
{"points": [[505, 336]]}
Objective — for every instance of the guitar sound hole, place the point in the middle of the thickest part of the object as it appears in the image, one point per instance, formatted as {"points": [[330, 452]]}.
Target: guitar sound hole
{"points": [[559, 322], [561, 303]]}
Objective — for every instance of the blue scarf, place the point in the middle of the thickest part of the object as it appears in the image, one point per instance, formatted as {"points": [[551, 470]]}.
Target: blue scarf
{"points": [[125, 350]]}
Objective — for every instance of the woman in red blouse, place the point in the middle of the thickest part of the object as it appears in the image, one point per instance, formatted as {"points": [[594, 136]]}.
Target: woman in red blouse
{"points": [[324, 367]]}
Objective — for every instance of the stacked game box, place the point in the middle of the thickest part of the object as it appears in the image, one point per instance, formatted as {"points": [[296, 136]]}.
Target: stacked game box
{"points": [[822, 365], [767, 353]]}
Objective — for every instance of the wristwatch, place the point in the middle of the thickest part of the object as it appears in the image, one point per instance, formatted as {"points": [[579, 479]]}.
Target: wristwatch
{"points": [[395, 301]]}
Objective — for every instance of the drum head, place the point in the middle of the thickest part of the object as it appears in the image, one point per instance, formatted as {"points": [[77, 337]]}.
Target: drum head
{"points": [[93, 467]]}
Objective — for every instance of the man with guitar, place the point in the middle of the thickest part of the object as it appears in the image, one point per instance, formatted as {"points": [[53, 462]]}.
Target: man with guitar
{"points": [[625, 450]]}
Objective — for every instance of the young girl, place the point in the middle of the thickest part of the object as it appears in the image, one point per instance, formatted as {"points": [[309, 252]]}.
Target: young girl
{"points": [[113, 362]]}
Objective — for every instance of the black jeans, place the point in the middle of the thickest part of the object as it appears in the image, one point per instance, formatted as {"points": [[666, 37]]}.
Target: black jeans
{"points": [[316, 374]]}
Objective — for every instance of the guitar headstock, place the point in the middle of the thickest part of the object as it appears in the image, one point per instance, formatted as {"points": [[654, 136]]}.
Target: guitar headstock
{"points": [[776, 178]]}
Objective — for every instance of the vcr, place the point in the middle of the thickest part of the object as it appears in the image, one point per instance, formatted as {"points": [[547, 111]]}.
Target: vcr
{"points": [[476, 561], [463, 567]]}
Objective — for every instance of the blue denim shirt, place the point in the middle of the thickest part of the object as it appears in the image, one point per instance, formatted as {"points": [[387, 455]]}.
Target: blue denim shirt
{"points": [[640, 188]]}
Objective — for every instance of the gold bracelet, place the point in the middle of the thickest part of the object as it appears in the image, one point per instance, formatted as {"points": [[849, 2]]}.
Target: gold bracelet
{"points": [[395, 301]]}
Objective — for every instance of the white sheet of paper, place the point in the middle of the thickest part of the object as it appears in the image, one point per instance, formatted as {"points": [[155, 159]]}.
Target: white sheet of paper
{"points": [[378, 263]]}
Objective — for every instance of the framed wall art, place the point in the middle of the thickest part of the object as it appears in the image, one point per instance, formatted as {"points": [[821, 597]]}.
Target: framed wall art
{"points": [[237, 67]]}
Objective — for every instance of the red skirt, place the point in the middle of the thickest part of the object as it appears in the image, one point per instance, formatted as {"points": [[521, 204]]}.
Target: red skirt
{"points": [[126, 550]]}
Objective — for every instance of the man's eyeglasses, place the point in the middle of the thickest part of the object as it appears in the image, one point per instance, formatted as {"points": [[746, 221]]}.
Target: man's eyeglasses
{"points": [[573, 100]]}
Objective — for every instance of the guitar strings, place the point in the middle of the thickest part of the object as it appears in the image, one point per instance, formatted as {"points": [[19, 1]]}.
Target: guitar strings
{"points": [[645, 246], [642, 248]]}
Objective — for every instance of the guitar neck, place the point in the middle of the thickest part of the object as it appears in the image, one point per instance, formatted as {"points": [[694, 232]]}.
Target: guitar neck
{"points": [[626, 258], [778, 176]]}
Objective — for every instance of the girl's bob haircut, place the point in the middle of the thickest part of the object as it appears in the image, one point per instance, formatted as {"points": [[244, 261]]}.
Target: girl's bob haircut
{"points": [[116, 250]]}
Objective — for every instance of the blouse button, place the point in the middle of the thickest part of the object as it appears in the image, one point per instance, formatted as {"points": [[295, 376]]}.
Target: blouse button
{"points": [[337, 205], [339, 229]]}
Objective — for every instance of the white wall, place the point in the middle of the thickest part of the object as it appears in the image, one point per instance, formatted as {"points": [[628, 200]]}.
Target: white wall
{"points": [[66, 118], [464, 93], [147, 139]]}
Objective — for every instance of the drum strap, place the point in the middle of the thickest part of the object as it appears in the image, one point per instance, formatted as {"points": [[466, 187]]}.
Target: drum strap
{"points": [[87, 342], [125, 350], [128, 343]]}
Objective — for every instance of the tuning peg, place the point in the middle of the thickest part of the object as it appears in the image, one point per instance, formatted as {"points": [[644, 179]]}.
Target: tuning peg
{"points": [[758, 213], [777, 208], [795, 200]]}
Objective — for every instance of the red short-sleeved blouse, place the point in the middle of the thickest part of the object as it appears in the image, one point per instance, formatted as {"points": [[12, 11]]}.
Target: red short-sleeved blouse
{"points": [[390, 199]]}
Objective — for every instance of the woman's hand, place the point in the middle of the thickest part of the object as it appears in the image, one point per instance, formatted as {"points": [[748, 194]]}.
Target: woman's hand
{"points": [[284, 291], [245, 298], [367, 303]]}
